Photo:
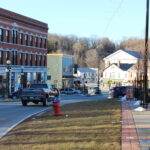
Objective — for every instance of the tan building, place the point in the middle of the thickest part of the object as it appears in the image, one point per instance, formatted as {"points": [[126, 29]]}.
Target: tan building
{"points": [[60, 69]]}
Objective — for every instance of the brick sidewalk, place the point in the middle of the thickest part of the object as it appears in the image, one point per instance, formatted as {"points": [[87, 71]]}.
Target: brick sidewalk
{"points": [[130, 139]]}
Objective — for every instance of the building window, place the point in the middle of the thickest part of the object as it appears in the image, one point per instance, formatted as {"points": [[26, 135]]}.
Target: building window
{"points": [[8, 55], [41, 42], [15, 58], [45, 43], [30, 61], [14, 36], [7, 36], [39, 60], [1, 34], [21, 59], [0, 57], [31, 40], [26, 39], [26, 59], [45, 60], [49, 77], [21, 38], [2, 61], [35, 60], [36, 41]]}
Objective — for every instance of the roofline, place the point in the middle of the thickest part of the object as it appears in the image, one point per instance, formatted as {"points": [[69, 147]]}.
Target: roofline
{"points": [[113, 53], [118, 67], [132, 66], [58, 54], [118, 52], [111, 65], [27, 20], [55, 54]]}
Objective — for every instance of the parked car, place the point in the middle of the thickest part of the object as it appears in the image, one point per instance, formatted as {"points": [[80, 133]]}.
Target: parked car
{"points": [[36, 93], [70, 91], [77, 91], [117, 91], [97, 90]]}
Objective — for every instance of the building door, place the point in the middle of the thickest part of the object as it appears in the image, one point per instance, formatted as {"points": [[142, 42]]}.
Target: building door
{"points": [[38, 77], [2, 88]]}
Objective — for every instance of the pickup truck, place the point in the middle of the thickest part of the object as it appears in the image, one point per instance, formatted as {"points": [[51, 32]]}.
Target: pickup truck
{"points": [[36, 93]]}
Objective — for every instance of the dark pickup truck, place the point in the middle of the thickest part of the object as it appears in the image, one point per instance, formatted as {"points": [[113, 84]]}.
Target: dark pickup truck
{"points": [[36, 93]]}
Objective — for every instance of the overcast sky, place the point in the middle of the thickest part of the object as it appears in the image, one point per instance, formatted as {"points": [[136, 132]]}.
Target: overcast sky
{"points": [[116, 19]]}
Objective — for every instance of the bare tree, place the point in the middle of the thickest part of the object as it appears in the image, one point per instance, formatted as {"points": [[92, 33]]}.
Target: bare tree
{"points": [[91, 58]]}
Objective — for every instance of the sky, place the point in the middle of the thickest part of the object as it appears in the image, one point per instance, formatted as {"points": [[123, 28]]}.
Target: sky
{"points": [[115, 19]]}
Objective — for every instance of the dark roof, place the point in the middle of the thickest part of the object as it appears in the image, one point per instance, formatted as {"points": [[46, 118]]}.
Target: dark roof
{"points": [[125, 67], [134, 53]]}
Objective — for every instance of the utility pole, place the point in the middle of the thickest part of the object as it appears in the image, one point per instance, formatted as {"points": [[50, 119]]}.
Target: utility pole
{"points": [[98, 63], [145, 101]]}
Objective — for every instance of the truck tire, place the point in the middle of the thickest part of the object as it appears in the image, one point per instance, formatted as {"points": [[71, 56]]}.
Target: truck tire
{"points": [[24, 103], [45, 102]]}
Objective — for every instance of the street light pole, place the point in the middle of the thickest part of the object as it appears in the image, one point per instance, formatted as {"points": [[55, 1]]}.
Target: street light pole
{"points": [[8, 63], [145, 101]]}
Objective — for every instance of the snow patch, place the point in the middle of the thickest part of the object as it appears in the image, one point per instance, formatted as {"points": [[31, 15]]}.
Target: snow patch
{"points": [[139, 109]]}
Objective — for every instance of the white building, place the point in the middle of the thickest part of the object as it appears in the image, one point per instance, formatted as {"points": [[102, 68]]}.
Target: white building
{"points": [[122, 57], [118, 66], [87, 75]]}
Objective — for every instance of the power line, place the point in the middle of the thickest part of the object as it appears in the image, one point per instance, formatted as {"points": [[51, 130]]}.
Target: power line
{"points": [[113, 15]]}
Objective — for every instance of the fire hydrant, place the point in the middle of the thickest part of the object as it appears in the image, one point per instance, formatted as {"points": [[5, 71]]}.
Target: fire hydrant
{"points": [[57, 107]]}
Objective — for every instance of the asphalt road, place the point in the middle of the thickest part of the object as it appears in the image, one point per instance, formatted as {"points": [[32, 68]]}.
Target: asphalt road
{"points": [[13, 113]]}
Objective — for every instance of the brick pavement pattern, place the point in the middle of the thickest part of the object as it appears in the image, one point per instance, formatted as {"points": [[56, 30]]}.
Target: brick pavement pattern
{"points": [[130, 139]]}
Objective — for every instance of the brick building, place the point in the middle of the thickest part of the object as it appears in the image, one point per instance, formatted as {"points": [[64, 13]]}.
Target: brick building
{"points": [[23, 41]]}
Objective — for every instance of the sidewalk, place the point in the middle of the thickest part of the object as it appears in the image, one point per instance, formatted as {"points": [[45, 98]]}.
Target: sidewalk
{"points": [[142, 121], [135, 128], [8, 100]]}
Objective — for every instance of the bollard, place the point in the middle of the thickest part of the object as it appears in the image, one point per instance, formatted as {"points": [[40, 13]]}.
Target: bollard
{"points": [[57, 107]]}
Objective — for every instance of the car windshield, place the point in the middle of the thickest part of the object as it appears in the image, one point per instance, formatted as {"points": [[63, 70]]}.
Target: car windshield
{"points": [[39, 86]]}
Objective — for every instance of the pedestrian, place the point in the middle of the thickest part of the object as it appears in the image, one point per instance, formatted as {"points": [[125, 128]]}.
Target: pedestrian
{"points": [[57, 92]]}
